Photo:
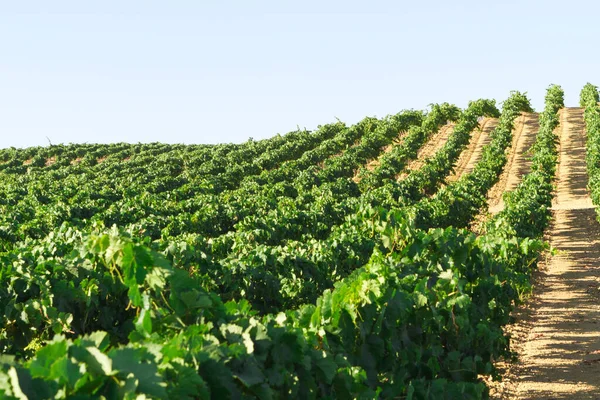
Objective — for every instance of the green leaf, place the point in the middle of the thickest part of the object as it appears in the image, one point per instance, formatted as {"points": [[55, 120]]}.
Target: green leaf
{"points": [[420, 299], [251, 374], [387, 242], [143, 323], [128, 361], [328, 368], [41, 364], [65, 371], [99, 361], [136, 262], [23, 387], [195, 299], [17, 391], [99, 339]]}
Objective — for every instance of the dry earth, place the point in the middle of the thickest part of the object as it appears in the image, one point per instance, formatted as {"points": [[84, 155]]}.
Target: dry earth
{"points": [[472, 154], [557, 336], [428, 150], [518, 163], [374, 163]]}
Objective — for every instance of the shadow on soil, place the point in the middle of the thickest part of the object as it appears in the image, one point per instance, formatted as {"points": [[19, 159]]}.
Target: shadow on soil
{"points": [[572, 354], [563, 316]]}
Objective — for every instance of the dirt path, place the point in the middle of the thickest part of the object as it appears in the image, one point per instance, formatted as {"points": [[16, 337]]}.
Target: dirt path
{"points": [[375, 162], [428, 150], [472, 154], [518, 163], [558, 336]]}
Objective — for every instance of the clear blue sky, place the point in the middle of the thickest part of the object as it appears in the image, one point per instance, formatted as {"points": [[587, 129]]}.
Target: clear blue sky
{"points": [[209, 72]]}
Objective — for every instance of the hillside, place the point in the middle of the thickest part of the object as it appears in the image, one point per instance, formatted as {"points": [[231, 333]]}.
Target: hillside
{"points": [[386, 259]]}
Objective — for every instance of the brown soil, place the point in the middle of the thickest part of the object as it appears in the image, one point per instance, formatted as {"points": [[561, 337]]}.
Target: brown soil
{"points": [[374, 163], [557, 337], [472, 154], [518, 162], [51, 161], [428, 150]]}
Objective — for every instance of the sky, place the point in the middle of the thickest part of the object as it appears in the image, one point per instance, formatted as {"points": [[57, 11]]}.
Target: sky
{"points": [[224, 71]]}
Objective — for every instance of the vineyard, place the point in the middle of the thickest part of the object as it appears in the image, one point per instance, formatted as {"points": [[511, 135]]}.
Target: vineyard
{"points": [[383, 259]]}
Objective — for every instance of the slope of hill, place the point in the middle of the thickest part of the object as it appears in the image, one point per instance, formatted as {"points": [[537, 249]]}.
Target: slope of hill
{"points": [[326, 264]]}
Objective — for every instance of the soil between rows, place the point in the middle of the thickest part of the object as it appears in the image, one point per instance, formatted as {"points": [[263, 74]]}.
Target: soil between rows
{"points": [[557, 336]]}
